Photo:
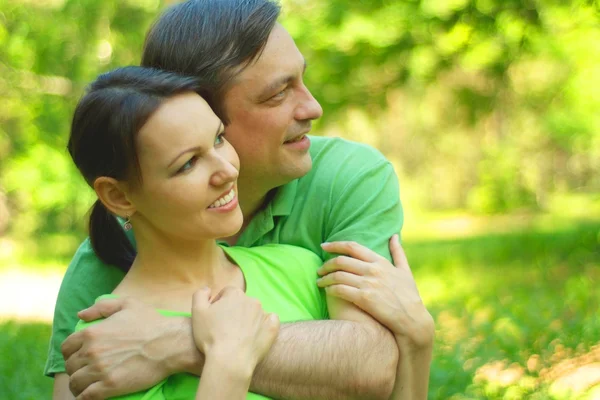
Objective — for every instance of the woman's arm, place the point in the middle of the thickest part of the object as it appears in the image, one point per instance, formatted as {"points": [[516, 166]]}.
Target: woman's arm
{"points": [[390, 295], [235, 334], [222, 381], [412, 375], [61, 388]]}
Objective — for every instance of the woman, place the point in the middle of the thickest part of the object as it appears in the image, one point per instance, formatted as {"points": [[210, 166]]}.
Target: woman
{"points": [[154, 153]]}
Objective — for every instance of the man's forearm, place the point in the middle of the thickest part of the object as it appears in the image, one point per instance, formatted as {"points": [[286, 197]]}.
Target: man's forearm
{"points": [[328, 360], [318, 360]]}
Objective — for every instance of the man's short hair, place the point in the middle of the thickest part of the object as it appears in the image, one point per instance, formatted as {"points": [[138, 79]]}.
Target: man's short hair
{"points": [[213, 40]]}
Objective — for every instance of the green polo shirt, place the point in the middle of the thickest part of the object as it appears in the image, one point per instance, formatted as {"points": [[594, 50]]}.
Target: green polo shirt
{"points": [[351, 193]]}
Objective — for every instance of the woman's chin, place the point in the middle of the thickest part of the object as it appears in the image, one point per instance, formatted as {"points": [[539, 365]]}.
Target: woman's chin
{"points": [[232, 226]]}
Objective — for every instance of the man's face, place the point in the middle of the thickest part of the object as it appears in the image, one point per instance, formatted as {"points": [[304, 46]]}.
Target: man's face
{"points": [[270, 110]]}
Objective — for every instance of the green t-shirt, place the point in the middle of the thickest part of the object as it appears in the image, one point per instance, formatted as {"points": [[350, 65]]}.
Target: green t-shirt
{"points": [[282, 277], [351, 193]]}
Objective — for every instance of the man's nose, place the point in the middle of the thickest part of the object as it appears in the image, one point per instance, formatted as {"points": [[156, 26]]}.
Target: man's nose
{"points": [[309, 108]]}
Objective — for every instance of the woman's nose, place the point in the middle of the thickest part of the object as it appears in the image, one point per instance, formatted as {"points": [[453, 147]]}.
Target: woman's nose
{"points": [[226, 173]]}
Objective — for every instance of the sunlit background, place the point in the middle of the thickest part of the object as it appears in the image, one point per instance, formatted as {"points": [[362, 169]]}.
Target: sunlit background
{"points": [[488, 110]]}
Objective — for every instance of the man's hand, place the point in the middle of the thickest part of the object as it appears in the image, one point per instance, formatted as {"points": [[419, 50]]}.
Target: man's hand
{"points": [[133, 349], [389, 294]]}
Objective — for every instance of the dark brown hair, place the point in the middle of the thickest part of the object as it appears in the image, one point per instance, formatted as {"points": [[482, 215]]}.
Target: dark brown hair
{"points": [[212, 40], [103, 142]]}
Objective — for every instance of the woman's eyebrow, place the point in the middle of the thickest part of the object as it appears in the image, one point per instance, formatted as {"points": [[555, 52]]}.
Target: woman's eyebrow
{"points": [[190, 150]]}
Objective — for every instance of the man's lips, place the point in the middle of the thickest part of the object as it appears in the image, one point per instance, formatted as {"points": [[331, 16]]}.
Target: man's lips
{"points": [[295, 139], [298, 137]]}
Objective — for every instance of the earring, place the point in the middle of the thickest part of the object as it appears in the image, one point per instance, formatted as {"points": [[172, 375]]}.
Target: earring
{"points": [[127, 224]]}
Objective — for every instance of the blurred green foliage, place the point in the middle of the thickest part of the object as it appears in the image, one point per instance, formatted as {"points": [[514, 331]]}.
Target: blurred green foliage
{"points": [[484, 105], [488, 105]]}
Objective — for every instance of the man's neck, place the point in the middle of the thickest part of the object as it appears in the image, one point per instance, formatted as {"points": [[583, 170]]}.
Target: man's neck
{"points": [[252, 200]]}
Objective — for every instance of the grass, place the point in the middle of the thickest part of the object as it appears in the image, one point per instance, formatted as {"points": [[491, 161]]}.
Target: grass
{"points": [[511, 305], [517, 317], [23, 349]]}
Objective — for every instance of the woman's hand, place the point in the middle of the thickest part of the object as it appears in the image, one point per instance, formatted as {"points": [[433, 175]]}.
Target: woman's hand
{"points": [[232, 329], [388, 293]]}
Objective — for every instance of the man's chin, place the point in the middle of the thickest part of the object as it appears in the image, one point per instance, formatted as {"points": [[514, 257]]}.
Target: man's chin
{"points": [[299, 167]]}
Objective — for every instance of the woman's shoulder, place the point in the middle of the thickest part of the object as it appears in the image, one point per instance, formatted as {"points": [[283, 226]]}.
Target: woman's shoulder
{"points": [[275, 254]]}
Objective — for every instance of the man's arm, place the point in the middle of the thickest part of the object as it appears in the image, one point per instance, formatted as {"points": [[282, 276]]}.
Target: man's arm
{"points": [[309, 360], [351, 359], [86, 279]]}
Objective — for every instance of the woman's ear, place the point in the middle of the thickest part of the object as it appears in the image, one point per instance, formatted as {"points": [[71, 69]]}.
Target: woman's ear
{"points": [[111, 193]]}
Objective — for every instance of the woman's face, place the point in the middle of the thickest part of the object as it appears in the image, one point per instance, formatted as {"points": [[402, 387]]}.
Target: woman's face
{"points": [[189, 173]]}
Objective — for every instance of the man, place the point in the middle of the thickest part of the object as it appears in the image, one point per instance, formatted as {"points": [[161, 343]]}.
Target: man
{"points": [[292, 189]]}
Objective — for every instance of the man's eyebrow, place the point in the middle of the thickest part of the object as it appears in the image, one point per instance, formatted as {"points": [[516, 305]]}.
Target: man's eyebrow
{"points": [[271, 87]]}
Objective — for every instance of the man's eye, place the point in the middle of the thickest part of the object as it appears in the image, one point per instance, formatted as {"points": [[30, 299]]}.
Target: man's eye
{"points": [[188, 165], [279, 95], [220, 139]]}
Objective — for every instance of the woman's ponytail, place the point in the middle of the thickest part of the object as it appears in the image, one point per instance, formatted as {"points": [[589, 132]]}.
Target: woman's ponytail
{"points": [[109, 241]]}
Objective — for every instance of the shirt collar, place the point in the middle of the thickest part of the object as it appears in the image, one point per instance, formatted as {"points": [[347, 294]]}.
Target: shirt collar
{"points": [[282, 203]]}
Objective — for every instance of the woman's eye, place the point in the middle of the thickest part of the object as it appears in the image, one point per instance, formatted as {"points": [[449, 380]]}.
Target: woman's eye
{"points": [[220, 139], [188, 164]]}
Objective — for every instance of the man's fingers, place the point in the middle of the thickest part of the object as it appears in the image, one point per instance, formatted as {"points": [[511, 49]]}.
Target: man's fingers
{"points": [[351, 249], [102, 309], [93, 392], [74, 363], [81, 380], [340, 277], [343, 263], [71, 344]]}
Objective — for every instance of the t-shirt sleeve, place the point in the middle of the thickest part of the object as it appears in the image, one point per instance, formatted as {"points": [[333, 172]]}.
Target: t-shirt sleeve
{"points": [[365, 205], [86, 279]]}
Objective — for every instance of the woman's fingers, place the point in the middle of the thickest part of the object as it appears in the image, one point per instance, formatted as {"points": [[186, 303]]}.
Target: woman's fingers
{"points": [[398, 255], [340, 277], [352, 249], [348, 293], [201, 299], [343, 263]]}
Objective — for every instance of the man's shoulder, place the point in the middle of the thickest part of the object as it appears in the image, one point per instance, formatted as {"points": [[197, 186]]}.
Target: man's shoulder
{"points": [[86, 266], [337, 159]]}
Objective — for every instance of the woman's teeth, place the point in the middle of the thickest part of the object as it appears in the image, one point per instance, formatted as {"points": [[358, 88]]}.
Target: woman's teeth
{"points": [[223, 200]]}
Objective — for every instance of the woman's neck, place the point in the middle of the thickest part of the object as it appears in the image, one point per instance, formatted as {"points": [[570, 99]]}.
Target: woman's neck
{"points": [[167, 267]]}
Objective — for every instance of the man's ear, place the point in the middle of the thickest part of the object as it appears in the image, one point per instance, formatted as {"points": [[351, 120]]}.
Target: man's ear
{"points": [[111, 193]]}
